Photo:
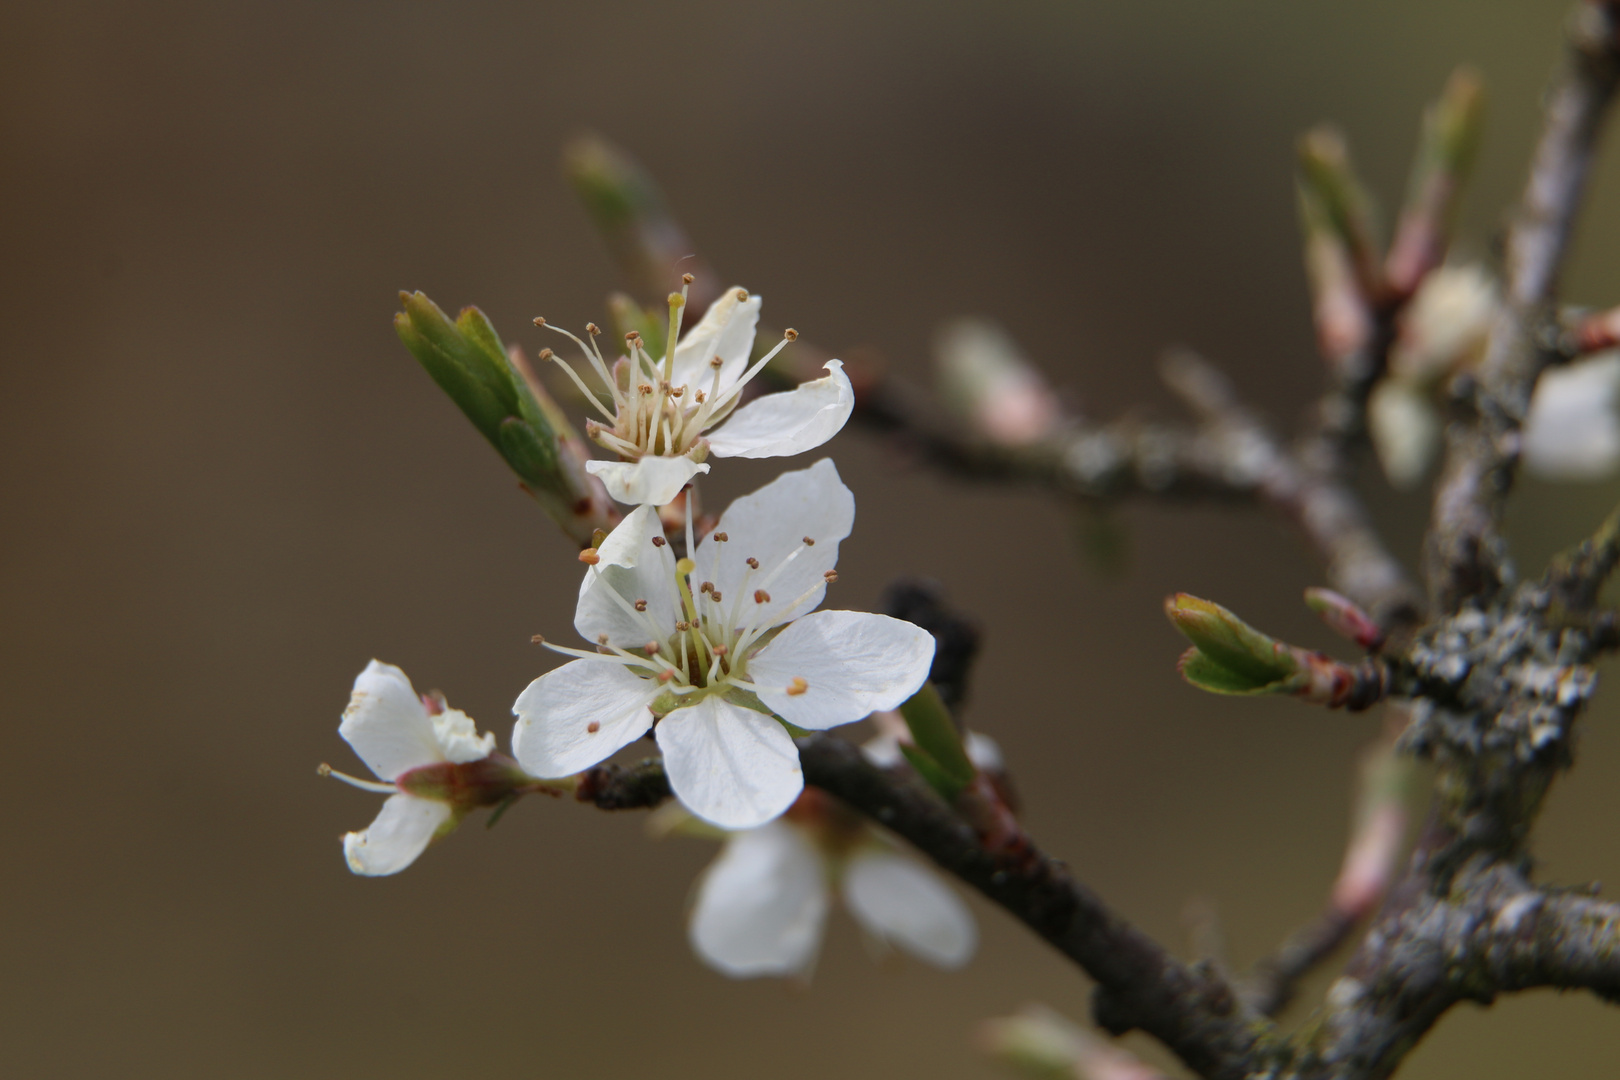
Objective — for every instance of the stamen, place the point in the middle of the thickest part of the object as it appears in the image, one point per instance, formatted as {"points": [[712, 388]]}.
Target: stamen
{"points": [[593, 356], [761, 596], [601, 639], [718, 650], [706, 587], [721, 538], [589, 557], [753, 563], [364, 785], [592, 329], [691, 542], [665, 675], [809, 542], [593, 727], [590, 395], [797, 686], [698, 397], [830, 576], [651, 648], [611, 655], [641, 605], [736, 388], [659, 541], [686, 279], [537, 640], [714, 594]]}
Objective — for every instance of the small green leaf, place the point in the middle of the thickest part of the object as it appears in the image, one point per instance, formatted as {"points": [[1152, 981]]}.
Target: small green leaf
{"points": [[1254, 658], [931, 772], [936, 735], [1209, 674]]}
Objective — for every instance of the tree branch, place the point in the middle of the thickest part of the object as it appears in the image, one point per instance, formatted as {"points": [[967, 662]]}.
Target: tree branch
{"points": [[1465, 554], [1191, 1010]]}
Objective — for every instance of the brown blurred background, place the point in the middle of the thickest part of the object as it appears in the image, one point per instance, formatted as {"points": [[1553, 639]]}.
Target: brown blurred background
{"points": [[226, 486]]}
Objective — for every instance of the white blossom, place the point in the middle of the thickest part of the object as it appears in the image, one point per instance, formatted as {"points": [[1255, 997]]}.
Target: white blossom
{"points": [[663, 408], [1572, 431], [1445, 325], [406, 745], [762, 905], [1442, 330], [716, 648]]}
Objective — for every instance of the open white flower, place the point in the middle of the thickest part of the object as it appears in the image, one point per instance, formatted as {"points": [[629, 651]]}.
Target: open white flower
{"points": [[714, 645], [435, 763], [663, 409], [762, 905], [1573, 432]]}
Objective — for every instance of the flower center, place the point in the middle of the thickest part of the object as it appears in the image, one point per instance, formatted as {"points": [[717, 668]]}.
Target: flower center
{"points": [[651, 416], [715, 632]]}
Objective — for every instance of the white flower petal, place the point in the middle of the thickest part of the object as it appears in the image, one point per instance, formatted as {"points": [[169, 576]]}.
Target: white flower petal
{"points": [[1405, 430], [553, 736], [402, 831], [853, 663], [762, 904], [732, 767], [983, 751], [652, 480], [727, 331], [901, 902], [781, 425], [635, 568], [387, 724], [769, 525], [458, 737], [1572, 432]]}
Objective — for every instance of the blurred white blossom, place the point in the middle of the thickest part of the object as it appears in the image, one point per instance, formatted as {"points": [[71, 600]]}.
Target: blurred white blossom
{"points": [[985, 378], [762, 905], [1572, 431], [1442, 330], [713, 645]]}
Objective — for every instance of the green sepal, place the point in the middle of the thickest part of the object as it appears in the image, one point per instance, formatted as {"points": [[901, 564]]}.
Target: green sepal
{"points": [[936, 737]]}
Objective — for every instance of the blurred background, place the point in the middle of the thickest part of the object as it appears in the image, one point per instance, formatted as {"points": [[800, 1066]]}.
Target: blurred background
{"points": [[226, 486]]}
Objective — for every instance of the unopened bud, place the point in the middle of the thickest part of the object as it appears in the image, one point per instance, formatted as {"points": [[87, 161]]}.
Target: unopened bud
{"points": [[987, 381], [1228, 655], [1345, 617]]}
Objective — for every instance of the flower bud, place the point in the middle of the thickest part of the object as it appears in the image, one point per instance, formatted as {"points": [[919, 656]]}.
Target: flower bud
{"points": [[1345, 617], [1229, 656], [985, 379]]}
